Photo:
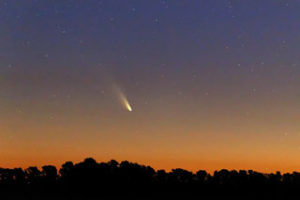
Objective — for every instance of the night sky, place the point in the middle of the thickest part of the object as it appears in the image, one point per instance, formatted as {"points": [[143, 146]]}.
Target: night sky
{"points": [[212, 84]]}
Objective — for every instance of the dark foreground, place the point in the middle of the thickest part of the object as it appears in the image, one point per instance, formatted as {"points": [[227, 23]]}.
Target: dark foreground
{"points": [[125, 180]]}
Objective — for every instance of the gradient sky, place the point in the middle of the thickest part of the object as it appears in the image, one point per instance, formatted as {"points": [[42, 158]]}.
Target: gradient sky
{"points": [[212, 83]]}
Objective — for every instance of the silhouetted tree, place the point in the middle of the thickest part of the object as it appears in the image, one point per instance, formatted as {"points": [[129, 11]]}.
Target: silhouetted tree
{"points": [[126, 179]]}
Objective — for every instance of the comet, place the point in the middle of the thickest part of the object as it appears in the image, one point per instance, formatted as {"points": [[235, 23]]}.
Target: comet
{"points": [[125, 102], [123, 99]]}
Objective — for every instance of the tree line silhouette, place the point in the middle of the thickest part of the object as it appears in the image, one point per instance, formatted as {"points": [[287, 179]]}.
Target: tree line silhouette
{"points": [[126, 179]]}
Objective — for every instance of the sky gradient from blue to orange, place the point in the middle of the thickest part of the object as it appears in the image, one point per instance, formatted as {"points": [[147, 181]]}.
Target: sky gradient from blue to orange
{"points": [[212, 84]]}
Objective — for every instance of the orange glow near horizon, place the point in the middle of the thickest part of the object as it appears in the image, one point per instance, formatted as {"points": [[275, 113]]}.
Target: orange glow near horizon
{"points": [[191, 151]]}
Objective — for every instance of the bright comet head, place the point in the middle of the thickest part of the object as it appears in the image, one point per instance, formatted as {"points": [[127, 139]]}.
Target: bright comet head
{"points": [[128, 107]]}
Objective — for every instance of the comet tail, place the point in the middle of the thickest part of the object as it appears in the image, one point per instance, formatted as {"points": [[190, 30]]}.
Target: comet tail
{"points": [[124, 100]]}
